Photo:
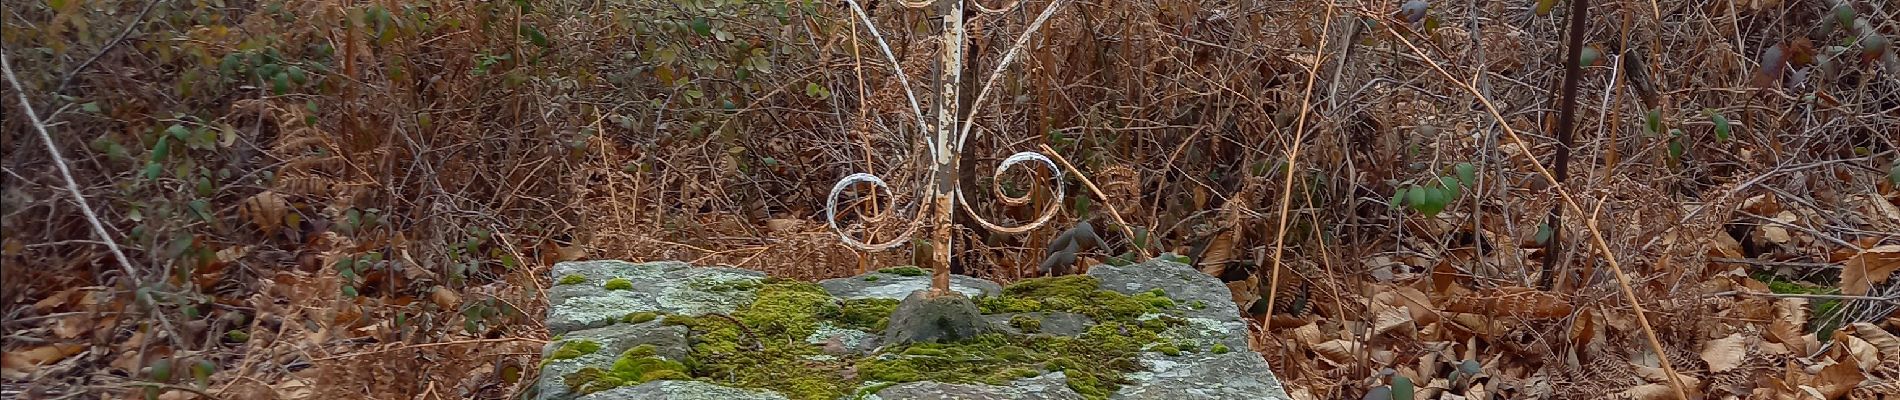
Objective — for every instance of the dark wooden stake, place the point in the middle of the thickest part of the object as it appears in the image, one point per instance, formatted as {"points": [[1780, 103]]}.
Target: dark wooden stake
{"points": [[1566, 122]]}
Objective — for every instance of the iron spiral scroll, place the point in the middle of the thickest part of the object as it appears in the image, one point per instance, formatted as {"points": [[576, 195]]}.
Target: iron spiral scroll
{"points": [[945, 196]]}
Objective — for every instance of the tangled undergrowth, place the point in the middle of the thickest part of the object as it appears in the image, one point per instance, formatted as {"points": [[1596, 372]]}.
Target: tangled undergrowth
{"points": [[357, 199]]}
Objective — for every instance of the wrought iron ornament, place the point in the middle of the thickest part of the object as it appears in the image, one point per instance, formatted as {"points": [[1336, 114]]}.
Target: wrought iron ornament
{"points": [[942, 186]]}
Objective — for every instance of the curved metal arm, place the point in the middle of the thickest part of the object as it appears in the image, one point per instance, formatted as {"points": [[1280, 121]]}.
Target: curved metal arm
{"points": [[831, 213], [996, 186]]}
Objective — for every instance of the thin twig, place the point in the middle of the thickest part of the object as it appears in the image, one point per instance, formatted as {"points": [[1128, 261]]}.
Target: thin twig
{"points": [[437, 344], [72, 187], [1140, 248], [1292, 159], [108, 47], [1596, 236]]}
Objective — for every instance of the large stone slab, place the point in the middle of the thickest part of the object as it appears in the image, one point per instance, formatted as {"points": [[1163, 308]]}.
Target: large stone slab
{"points": [[1236, 375], [1213, 319], [889, 283], [668, 342], [664, 286], [681, 390], [1053, 386]]}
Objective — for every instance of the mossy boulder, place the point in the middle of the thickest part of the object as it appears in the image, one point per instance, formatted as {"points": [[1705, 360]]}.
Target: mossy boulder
{"points": [[1115, 333], [1052, 386], [682, 390], [600, 348]]}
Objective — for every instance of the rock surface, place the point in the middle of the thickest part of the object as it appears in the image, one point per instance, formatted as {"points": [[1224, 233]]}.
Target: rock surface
{"points": [[681, 390], [1219, 365], [668, 342], [664, 286], [1212, 319], [925, 318], [887, 284], [1053, 386]]}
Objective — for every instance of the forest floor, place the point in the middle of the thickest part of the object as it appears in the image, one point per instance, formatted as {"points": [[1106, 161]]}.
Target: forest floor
{"points": [[361, 199]]}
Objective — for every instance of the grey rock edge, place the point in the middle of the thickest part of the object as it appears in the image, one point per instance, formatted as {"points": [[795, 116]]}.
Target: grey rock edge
{"points": [[589, 311]]}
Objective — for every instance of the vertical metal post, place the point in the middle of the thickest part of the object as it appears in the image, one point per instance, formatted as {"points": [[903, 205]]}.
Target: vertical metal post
{"points": [[944, 198]]}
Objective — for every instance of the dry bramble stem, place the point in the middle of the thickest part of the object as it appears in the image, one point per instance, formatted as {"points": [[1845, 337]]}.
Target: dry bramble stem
{"points": [[1596, 236], [1292, 156]]}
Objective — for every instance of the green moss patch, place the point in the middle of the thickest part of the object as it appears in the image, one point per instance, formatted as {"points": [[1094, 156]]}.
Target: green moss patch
{"points": [[572, 349], [637, 365], [764, 345], [905, 271], [639, 317], [618, 284], [870, 315], [1026, 324], [572, 279]]}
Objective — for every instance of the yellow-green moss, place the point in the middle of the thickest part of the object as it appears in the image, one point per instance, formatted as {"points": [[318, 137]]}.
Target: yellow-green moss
{"points": [[571, 279], [572, 349], [904, 271], [639, 317], [870, 278], [1026, 323], [618, 284], [870, 315], [635, 366], [767, 347], [1220, 348], [1079, 294], [770, 352]]}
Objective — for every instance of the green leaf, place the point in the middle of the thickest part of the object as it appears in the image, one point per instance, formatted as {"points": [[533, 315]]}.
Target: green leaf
{"points": [[280, 83], [534, 36], [1417, 197], [1451, 187], [91, 107], [1652, 121], [297, 75], [178, 131], [1544, 6], [701, 26], [204, 187], [162, 150], [201, 371], [1402, 388], [202, 208], [1467, 173], [1721, 125], [1893, 173], [1398, 197]]}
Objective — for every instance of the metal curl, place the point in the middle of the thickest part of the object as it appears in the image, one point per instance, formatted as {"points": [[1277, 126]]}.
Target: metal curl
{"points": [[996, 183], [831, 213]]}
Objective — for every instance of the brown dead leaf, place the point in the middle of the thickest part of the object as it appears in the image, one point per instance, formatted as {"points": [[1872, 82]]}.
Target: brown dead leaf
{"points": [[1834, 381], [784, 225], [1339, 351], [266, 211], [445, 298], [72, 326], [25, 361], [1869, 267], [1725, 353], [1888, 344], [1515, 301]]}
